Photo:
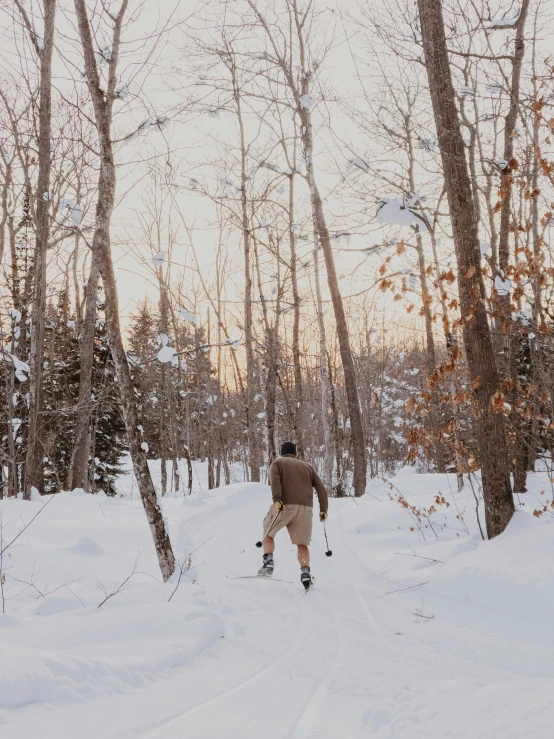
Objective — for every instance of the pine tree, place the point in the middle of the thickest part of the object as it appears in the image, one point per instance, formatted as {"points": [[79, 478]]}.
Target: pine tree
{"points": [[108, 436], [60, 392]]}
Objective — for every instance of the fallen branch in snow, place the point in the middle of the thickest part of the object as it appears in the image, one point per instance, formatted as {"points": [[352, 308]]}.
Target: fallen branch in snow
{"points": [[419, 556], [404, 590], [118, 588], [419, 614]]}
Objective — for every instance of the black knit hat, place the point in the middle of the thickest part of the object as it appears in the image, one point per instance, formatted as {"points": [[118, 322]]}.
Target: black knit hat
{"points": [[289, 447]]}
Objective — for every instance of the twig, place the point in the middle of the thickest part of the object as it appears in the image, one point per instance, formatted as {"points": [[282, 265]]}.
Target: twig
{"points": [[403, 590], [117, 588], [422, 615], [419, 613], [430, 559], [186, 566], [476, 505], [5, 548]]}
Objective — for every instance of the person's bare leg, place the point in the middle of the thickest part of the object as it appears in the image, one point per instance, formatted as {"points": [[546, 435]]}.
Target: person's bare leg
{"points": [[303, 555], [269, 545]]}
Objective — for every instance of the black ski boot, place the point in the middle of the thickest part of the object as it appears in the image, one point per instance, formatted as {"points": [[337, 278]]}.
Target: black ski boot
{"points": [[267, 567], [305, 577]]}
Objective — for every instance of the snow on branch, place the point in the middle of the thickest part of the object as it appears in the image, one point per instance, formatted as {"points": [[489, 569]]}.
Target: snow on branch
{"points": [[359, 163], [394, 212], [22, 369], [506, 20], [75, 211]]}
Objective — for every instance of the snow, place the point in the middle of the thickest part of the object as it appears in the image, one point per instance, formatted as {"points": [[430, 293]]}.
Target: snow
{"points": [[21, 368], [503, 285], [166, 354], [161, 123], [159, 258], [75, 211], [393, 212], [186, 316], [358, 162], [484, 248], [87, 547], [122, 91], [405, 635], [504, 20], [144, 127]]}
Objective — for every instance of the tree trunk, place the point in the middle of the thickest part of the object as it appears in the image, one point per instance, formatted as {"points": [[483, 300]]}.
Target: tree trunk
{"points": [[301, 94], [536, 283], [33, 461], [491, 436], [335, 419], [508, 342], [253, 441], [354, 412], [298, 390], [434, 416], [77, 476], [328, 456], [106, 197]]}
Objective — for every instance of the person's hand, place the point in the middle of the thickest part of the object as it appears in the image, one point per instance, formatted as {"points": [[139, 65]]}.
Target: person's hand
{"points": [[322, 516], [280, 506]]}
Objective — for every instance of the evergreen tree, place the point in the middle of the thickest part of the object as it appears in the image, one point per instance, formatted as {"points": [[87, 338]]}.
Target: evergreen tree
{"points": [[108, 436]]}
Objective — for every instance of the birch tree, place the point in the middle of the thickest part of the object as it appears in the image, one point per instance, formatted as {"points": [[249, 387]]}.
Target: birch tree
{"points": [[103, 108]]}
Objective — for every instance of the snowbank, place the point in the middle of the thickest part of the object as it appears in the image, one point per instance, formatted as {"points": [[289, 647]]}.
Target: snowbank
{"points": [[416, 626]]}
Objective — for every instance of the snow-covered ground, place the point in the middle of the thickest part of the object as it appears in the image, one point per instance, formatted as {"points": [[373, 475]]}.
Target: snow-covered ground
{"points": [[423, 634]]}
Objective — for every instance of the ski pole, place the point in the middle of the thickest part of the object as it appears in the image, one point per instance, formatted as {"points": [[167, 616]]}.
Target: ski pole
{"points": [[328, 553], [259, 543]]}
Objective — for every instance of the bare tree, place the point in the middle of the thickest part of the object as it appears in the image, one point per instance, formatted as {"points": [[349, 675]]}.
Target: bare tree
{"points": [[44, 48], [296, 20], [499, 505], [103, 105]]}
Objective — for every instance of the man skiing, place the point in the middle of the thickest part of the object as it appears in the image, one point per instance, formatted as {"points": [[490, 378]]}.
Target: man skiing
{"points": [[292, 481]]}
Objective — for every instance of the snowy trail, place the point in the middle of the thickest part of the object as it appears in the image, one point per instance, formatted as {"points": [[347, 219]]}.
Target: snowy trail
{"points": [[250, 658]]}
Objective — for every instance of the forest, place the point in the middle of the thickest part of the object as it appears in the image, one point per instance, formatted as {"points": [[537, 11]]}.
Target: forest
{"points": [[237, 223]]}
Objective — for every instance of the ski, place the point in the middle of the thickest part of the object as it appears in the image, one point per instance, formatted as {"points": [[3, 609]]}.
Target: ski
{"points": [[258, 577]]}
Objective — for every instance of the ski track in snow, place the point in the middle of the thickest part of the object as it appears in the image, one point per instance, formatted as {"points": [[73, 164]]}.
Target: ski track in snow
{"points": [[231, 691], [238, 659], [308, 717]]}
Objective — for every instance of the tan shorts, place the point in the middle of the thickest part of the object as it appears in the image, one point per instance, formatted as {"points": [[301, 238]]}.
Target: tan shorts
{"points": [[298, 520]]}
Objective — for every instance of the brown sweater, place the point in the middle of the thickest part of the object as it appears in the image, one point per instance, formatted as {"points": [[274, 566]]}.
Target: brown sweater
{"points": [[292, 482]]}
